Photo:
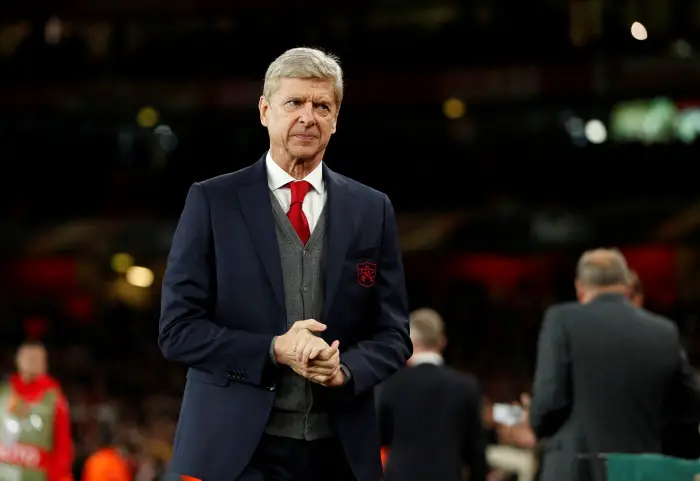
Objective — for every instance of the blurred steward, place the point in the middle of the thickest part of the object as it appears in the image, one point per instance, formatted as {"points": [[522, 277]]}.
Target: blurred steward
{"points": [[35, 438]]}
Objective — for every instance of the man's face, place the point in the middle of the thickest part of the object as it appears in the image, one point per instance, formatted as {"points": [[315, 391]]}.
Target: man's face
{"points": [[300, 116], [31, 361]]}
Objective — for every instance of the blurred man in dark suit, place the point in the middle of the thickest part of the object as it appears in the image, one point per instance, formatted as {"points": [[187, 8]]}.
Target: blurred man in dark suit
{"points": [[606, 374], [680, 436], [429, 414]]}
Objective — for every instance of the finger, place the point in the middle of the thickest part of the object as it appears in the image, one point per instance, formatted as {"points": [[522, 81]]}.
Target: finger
{"points": [[323, 359], [300, 340], [326, 371], [323, 364], [331, 351], [334, 349], [321, 370], [302, 344], [327, 353], [335, 373], [320, 376], [325, 378], [310, 324], [319, 379], [317, 349], [308, 349]]}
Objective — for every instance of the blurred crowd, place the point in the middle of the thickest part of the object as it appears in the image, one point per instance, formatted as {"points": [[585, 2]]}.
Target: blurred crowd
{"points": [[122, 392]]}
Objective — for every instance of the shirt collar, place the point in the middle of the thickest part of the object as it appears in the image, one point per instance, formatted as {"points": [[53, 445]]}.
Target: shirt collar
{"points": [[427, 358], [278, 178]]}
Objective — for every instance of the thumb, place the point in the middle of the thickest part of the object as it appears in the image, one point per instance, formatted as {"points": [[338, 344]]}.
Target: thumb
{"points": [[310, 324], [335, 344]]}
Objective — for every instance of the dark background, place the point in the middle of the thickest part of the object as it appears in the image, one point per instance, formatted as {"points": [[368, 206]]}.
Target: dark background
{"points": [[509, 135]]}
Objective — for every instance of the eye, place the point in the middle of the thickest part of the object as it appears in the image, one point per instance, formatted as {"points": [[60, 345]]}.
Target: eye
{"points": [[293, 103], [324, 106]]}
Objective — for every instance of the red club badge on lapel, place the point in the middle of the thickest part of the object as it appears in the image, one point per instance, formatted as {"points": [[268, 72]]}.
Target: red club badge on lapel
{"points": [[366, 273]]}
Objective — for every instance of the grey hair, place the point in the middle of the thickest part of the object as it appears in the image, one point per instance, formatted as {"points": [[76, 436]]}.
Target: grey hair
{"points": [[303, 62], [603, 268]]}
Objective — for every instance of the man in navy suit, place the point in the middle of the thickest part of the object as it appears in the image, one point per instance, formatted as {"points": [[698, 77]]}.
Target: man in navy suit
{"points": [[285, 296]]}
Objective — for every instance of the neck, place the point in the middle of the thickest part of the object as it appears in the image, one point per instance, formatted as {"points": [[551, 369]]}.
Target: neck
{"points": [[28, 378], [421, 354], [594, 292], [297, 167]]}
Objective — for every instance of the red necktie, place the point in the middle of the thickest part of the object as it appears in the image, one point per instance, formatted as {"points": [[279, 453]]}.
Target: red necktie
{"points": [[296, 215]]}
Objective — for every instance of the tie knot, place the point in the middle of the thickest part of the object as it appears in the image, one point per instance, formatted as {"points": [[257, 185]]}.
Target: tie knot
{"points": [[299, 190]]}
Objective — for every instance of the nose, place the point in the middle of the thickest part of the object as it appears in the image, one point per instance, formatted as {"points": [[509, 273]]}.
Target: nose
{"points": [[306, 114]]}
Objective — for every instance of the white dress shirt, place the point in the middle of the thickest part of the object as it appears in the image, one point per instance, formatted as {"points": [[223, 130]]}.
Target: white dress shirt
{"points": [[314, 201], [427, 358]]}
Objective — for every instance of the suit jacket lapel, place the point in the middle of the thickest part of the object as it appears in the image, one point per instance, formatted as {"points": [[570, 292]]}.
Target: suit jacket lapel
{"points": [[340, 223], [254, 199]]}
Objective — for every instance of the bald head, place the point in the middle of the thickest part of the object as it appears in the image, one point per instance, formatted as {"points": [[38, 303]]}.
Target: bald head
{"points": [[601, 270]]}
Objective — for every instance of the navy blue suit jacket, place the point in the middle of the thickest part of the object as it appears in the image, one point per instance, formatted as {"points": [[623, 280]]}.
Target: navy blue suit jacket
{"points": [[223, 301]]}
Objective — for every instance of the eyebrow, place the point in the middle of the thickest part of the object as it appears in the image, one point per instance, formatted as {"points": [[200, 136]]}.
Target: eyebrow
{"points": [[322, 100]]}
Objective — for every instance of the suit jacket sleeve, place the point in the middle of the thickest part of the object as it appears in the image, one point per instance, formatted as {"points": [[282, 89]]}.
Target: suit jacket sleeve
{"points": [[63, 442], [374, 359], [187, 333], [551, 400]]}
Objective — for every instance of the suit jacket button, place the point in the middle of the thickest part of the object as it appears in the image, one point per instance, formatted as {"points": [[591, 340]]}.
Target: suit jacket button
{"points": [[272, 386]]}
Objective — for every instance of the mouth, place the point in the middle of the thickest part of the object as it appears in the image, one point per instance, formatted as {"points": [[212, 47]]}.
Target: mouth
{"points": [[304, 137]]}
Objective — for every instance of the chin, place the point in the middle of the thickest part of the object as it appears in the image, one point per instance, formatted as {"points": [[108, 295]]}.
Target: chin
{"points": [[304, 151]]}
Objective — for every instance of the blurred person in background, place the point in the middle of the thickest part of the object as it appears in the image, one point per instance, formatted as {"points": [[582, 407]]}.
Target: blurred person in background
{"points": [[109, 463], [605, 370], [272, 248], [519, 434], [680, 435], [513, 453], [430, 414], [636, 292], [35, 432]]}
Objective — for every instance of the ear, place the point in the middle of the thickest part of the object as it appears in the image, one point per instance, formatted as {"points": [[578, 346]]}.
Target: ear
{"points": [[579, 291], [443, 343], [264, 108]]}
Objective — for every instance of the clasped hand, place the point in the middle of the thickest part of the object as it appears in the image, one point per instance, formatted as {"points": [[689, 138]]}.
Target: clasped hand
{"points": [[309, 355]]}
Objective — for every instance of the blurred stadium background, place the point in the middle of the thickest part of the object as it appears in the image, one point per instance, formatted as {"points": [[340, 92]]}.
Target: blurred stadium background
{"points": [[509, 135]]}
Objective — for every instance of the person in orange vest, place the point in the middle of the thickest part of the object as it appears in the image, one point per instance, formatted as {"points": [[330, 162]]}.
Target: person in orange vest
{"points": [[35, 438], [107, 464]]}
